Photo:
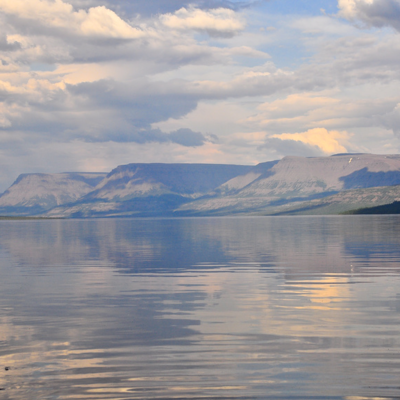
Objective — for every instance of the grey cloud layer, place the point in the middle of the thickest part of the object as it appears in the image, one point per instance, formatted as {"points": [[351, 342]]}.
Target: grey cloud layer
{"points": [[129, 110], [149, 8], [349, 62], [102, 111], [377, 13], [130, 65], [105, 110], [312, 111], [99, 35], [292, 147], [110, 110]]}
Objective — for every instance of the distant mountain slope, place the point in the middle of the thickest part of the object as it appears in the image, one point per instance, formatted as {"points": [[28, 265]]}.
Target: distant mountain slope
{"points": [[139, 180], [342, 202], [299, 176], [392, 208], [258, 172], [296, 179], [293, 185], [150, 189], [35, 193]]}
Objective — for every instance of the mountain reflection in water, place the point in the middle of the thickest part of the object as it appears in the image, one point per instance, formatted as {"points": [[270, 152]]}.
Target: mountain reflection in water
{"points": [[215, 308]]}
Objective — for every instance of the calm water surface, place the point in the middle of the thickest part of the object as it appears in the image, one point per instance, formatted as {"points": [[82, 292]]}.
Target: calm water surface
{"points": [[218, 308]]}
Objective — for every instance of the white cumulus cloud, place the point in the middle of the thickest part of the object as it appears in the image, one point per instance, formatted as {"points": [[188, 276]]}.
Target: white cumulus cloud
{"points": [[329, 142], [42, 15], [216, 22]]}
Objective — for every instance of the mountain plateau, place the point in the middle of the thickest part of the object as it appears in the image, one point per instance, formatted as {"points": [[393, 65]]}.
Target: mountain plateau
{"points": [[292, 185]]}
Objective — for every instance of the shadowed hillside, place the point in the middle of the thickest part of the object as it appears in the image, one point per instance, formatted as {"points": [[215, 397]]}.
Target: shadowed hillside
{"points": [[293, 185], [33, 194]]}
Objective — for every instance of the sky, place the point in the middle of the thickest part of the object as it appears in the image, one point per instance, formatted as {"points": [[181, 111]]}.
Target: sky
{"points": [[86, 85]]}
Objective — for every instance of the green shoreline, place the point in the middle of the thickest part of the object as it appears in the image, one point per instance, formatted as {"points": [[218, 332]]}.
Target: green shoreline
{"points": [[392, 208]]}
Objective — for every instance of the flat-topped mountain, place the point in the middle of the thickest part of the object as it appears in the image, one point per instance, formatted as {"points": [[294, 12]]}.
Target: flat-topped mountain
{"points": [[299, 178], [150, 189], [291, 185], [35, 193], [127, 182]]}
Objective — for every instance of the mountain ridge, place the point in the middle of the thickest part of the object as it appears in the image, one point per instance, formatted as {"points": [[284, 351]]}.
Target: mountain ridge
{"points": [[36, 193], [291, 185]]}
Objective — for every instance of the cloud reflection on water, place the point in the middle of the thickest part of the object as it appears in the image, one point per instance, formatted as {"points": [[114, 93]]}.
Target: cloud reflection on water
{"points": [[187, 308]]}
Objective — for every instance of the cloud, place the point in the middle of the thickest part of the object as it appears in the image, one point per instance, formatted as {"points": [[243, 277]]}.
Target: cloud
{"points": [[217, 22], [186, 137], [292, 148], [343, 62], [57, 17], [132, 74], [391, 120], [148, 8], [54, 32], [140, 102], [99, 111], [373, 13], [311, 110], [8, 45], [329, 142]]}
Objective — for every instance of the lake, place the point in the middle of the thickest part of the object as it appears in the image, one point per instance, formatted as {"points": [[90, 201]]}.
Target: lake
{"points": [[208, 308]]}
